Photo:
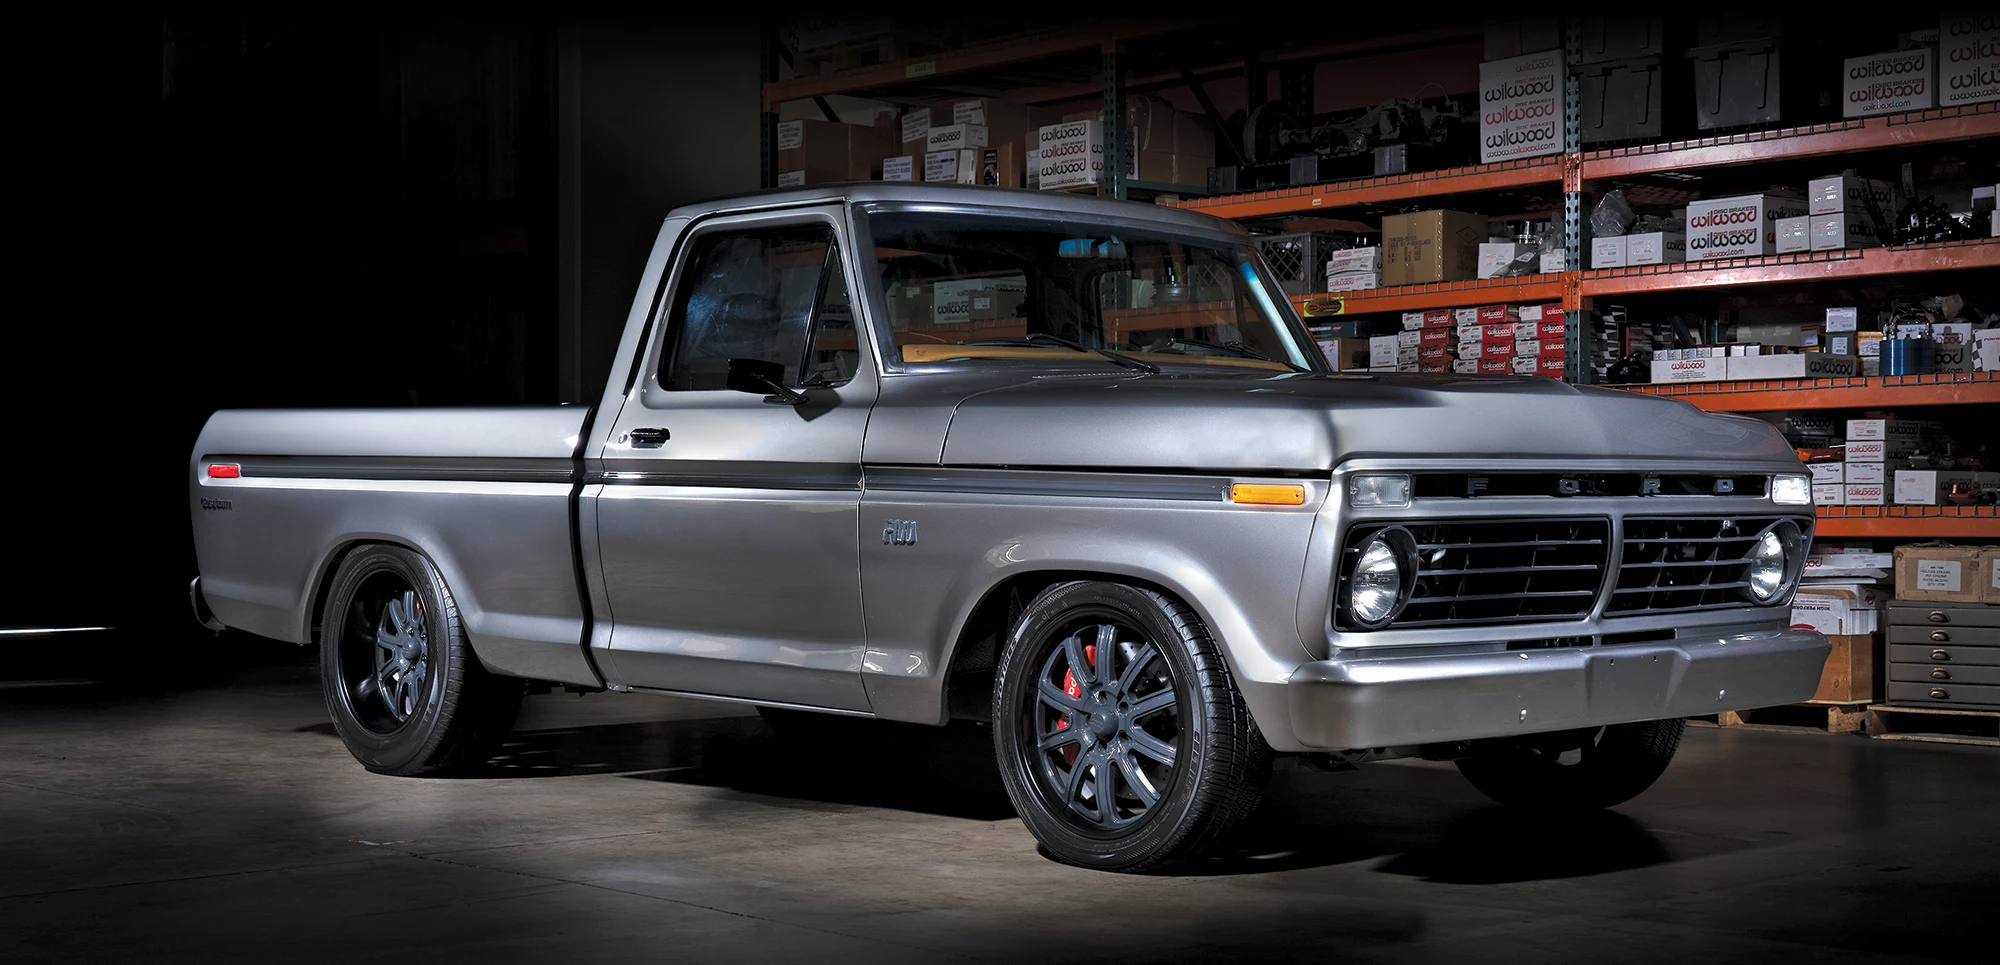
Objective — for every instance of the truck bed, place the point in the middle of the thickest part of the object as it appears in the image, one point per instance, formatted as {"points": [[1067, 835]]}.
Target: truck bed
{"points": [[484, 492]]}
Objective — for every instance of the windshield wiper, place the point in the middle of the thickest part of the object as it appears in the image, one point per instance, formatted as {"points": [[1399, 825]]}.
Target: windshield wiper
{"points": [[1237, 349], [1043, 338]]}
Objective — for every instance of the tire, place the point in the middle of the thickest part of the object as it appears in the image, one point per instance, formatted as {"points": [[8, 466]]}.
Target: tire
{"points": [[1168, 695], [406, 693], [1614, 764]]}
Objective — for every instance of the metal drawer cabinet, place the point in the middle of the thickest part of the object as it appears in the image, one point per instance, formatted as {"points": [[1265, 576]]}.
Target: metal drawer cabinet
{"points": [[1962, 636], [1938, 692], [1938, 675], [1939, 653], [1912, 613]]}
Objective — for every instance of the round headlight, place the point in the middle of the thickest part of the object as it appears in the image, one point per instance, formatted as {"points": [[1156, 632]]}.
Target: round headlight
{"points": [[1771, 572], [1379, 584]]}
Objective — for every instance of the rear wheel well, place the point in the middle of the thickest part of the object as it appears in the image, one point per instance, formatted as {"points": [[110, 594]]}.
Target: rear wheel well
{"points": [[968, 687], [324, 584]]}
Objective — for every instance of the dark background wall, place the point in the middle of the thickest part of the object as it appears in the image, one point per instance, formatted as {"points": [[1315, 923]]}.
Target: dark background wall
{"points": [[322, 210]]}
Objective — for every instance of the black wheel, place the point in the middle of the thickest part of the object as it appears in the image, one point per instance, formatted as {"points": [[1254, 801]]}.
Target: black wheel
{"points": [[1121, 738], [1575, 770], [406, 693]]}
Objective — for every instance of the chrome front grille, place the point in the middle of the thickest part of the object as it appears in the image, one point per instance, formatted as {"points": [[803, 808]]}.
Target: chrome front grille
{"points": [[1496, 570], [1676, 563]]}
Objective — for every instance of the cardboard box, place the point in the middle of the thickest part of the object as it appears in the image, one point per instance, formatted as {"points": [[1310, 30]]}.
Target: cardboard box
{"points": [[1465, 366], [1827, 472], [1863, 494], [1435, 355], [1439, 318], [1471, 350], [1842, 608], [1656, 248], [1474, 332], [1708, 369], [1497, 333], [1465, 316], [1413, 321], [1986, 350], [814, 152], [1849, 675], [1001, 166], [1346, 354], [1552, 366], [1861, 430], [1989, 570], [1952, 351], [1889, 83], [1864, 472], [1842, 319], [954, 137], [1554, 261], [1608, 252], [1800, 366], [952, 167], [1005, 121], [1491, 351], [1939, 574], [1524, 365], [1794, 235], [1933, 487], [1382, 350], [1499, 366], [1880, 450], [1495, 256], [1499, 314], [1441, 337], [1349, 281], [1829, 494], [1738, 227], [899, 168], [1832, 232], [1848, 193], [1968, 59], [916, 125], [1431, 246], [1521, 106], [1364, 259], [993, 305], [1071, 154]]}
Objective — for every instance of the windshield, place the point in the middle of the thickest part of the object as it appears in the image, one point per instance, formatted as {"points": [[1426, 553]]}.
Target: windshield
{"points": [[963, 288]]}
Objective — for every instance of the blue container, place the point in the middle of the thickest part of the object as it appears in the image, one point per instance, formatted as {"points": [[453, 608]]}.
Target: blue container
{"points": [[1895, 356]]}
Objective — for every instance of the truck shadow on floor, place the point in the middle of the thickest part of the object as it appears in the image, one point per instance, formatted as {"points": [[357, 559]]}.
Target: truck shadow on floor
{"points": [[1423, 822]]}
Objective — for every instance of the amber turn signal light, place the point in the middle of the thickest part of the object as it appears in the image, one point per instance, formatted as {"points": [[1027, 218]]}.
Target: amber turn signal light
{"points": [[1268, 495]]}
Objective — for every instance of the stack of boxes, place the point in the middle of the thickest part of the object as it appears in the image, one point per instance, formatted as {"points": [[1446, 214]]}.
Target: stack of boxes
{"points": [[1488, 340], [1354, 269], [823, 152], [1876, 468]]}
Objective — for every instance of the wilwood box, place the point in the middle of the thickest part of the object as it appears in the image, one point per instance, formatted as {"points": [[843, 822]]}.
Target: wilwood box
{"points": [[1707, 369], [1521, 106], [1656, 248], [1848, 193], [1829, 494], [1968, 60], [1794, 235], [1851, 229], [1889, 83], [1827, 472], [1938, 574], [1608, 252], [1738, 227]]}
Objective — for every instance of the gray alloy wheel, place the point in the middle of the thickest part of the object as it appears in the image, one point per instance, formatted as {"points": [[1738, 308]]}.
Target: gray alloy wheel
{"points": [[402, 685], [1576, 770], [1120, 735]]}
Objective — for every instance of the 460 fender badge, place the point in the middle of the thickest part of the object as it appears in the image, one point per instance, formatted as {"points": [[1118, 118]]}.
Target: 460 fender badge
{"points": [[899, 532]]}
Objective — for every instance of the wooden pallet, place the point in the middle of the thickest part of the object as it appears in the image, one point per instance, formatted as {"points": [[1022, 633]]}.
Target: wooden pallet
{"points": [[1810, 717], [1937, 725]]}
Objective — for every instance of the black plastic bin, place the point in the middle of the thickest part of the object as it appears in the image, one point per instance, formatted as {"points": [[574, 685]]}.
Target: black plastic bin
{"points": [[1606, 39], [1738, 85], [1634, 99]]}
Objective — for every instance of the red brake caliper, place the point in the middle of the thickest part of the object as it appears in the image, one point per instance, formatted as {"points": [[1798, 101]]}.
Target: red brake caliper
{"points": [[1075, 692]]}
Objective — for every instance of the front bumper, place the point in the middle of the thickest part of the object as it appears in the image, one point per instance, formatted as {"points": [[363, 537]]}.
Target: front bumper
{"points": [[1359, 702]]}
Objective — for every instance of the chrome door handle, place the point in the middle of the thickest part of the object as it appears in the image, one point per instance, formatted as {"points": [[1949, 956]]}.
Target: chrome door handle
{"points": [[649, 437]]}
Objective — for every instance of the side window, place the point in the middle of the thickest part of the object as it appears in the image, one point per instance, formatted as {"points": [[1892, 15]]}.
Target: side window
{"points": [[775, 294]]}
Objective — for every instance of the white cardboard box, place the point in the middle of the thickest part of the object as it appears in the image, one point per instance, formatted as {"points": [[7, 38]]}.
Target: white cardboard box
{"points": [[1524, 364], [1847, 193], [1865, 472], [1708, 369], [1880, 450], [898, 168], [1349, 281], [1842, 319], [1361, 259], [1916, 487], [1465, 366], [1521, 106], [1738, 227], [791, 179], [1858, 430], [1968, 59], [1607, 252], [1863, 494], [1382, 351], [1656, 248], [953, 167], [1072, 155], [916, 125], [1794, 234], [1413, 321], [1827, 472], [1986, 350], [1829, 494], [1838, 608], [954, 137], [1495, 256], [1804, 365], [1555, 261], [1889, 83], [1832, 232]]}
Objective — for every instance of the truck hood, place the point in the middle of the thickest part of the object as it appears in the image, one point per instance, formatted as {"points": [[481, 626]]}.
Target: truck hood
{"points": [[1312, 423]]}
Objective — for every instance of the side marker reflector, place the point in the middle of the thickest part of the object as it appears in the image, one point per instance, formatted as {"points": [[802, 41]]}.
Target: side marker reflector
{"points": [[224, 470], [1268, 495]]}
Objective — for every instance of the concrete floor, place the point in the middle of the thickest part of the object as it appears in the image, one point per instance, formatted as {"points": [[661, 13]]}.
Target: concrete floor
{"points": [[228, 825]]}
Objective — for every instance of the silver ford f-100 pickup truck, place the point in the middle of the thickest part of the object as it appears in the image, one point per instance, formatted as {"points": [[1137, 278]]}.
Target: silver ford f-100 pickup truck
{"points": [[1070, 466]]}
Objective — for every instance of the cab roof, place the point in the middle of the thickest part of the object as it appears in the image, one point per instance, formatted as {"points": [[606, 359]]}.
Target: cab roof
{"points": [[1055, 203]]}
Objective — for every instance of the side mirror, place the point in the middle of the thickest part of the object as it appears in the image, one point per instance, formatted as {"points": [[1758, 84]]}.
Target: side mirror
{"points": [[759, 377]]}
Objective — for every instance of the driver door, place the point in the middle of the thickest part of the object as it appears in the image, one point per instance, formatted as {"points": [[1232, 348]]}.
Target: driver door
{"points": [[728, 526]]}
